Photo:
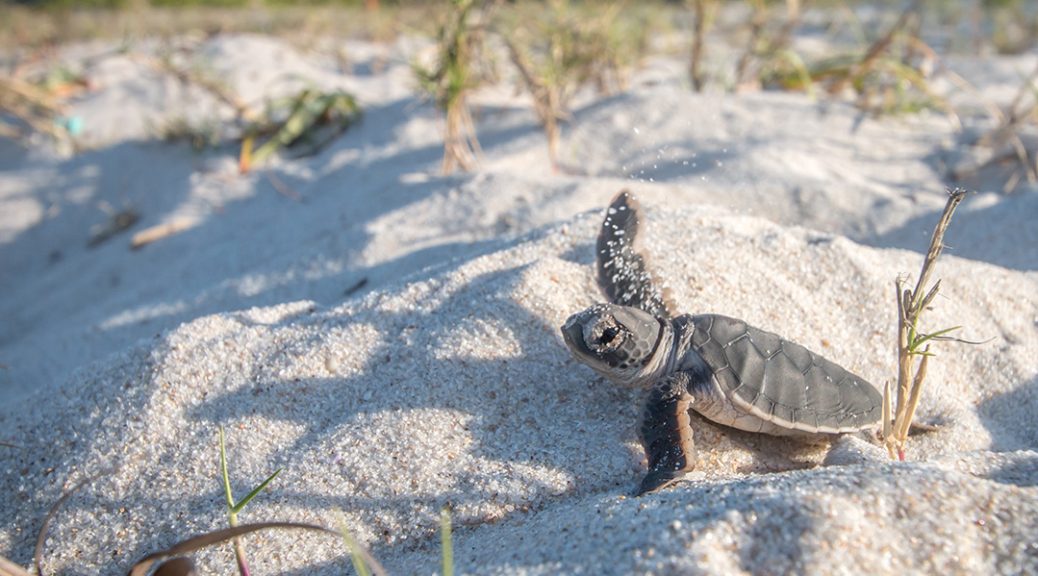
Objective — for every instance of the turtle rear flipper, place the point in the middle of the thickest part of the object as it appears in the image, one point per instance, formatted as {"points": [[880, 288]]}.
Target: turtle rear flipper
{"points": [[623, 273], [667, 435]]}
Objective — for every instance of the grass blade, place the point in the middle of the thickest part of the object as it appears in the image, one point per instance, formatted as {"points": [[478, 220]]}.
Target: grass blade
{"points": [[41, 538], [237, 507], [445, 540], [361, 558], [225, 473], [210, 538]]}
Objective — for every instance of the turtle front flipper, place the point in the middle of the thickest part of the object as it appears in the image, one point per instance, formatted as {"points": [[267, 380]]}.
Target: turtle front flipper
{"points": [[666, 434], [622, 270]]}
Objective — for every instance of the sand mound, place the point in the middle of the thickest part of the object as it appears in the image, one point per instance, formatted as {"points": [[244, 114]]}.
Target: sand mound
{"points": [[452, 388]]}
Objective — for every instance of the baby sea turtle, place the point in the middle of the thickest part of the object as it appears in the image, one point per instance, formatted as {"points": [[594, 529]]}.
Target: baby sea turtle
{"points": [[730, 372]]}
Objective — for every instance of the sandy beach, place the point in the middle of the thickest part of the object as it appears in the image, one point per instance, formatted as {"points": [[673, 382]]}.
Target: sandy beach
{"points": [[388, 335]]}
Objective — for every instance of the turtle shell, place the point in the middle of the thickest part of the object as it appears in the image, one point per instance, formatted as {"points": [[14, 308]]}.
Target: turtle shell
{"points": [[782, 382]]}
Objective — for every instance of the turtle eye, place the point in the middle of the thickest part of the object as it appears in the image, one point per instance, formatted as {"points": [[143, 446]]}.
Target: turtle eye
{"points": [[608, 334]]}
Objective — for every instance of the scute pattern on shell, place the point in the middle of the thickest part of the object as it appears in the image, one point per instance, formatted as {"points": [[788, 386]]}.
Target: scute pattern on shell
{"points": [[781, 381]]}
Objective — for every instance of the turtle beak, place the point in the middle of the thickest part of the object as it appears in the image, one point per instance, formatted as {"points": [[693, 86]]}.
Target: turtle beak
{"points": [[573, 333]]}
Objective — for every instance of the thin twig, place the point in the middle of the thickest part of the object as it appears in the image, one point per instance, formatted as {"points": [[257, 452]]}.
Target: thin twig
{"points": [[698, 46], [284, 189], [910, 307]]}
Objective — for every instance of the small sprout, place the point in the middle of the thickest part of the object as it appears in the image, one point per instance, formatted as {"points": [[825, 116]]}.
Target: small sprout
{"points": [[897, 420], [233, 508]]}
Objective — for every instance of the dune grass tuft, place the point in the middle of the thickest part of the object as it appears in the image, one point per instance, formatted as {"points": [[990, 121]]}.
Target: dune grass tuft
{"points": [[562, 49], [451, 80]]}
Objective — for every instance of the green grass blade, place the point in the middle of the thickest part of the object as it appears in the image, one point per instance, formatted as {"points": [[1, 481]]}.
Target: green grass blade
{"points": [[359, 566], [226, 474], [445, 539], [237, 507], [934, 336]]}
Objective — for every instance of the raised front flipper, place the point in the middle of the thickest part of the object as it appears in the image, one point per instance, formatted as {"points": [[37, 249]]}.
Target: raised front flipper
{"points": [[623, 273], [666, 434]]}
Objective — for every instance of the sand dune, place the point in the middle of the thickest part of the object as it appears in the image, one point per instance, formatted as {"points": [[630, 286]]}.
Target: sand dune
{"points": [[390, 337]]}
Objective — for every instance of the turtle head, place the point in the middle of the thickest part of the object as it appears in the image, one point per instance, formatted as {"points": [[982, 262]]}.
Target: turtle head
{"points": [[626, 345]]}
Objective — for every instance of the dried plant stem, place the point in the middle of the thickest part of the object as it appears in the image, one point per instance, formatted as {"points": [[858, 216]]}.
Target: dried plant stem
{"points": [[547, 99], [211, 85], [910, 306], [460, 145], [699, 26], [759, 43], [757, 23], [216, 537]]}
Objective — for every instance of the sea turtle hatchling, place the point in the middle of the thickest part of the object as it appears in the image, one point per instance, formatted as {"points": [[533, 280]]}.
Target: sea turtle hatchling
{"points": [[730, 372]]}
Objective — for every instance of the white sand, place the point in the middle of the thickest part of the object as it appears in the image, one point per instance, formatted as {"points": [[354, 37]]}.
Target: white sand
{"points": [[444, 381]]}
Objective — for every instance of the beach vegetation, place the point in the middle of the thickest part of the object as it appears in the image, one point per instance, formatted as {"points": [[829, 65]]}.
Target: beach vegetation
{"points": [[452, 78], [703, 14], [364, 564], [305, 122], [560, 50], [913, 344], [235, 507], [1010, 148], [30, 108], [766, 39], [890, 76]]}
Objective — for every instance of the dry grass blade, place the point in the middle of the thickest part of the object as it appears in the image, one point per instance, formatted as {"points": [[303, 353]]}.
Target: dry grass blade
{"points": [[33, 106], [216, 537], [41, 538], [1005, 140], [911, 342], [179, 566], [887, 432], [8, 568], [700, 25], [206, 82], [160, 231], [762, 45]]}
